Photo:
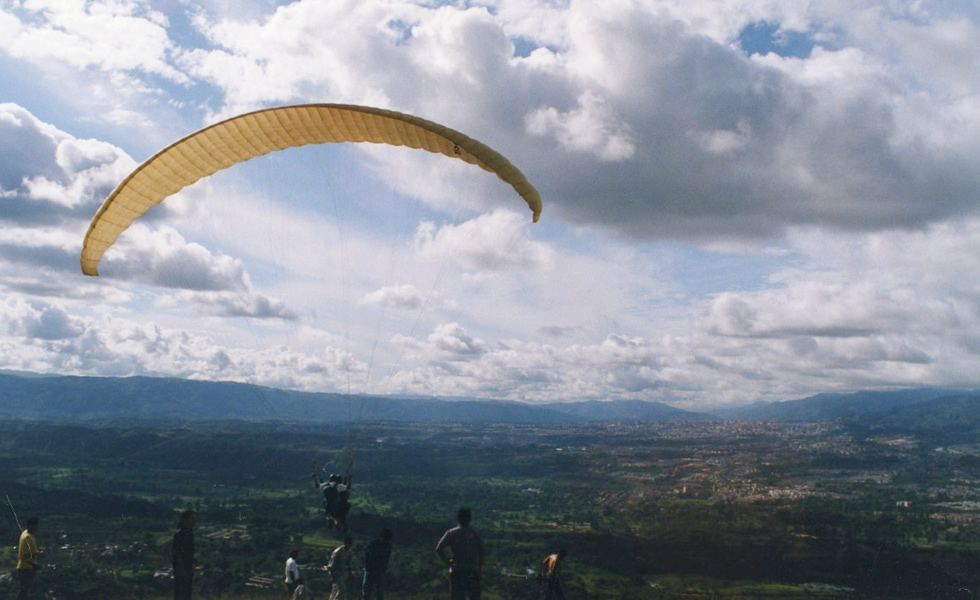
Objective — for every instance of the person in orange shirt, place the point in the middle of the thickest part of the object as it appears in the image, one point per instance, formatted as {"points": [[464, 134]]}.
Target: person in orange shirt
{"points": [[548, 576], [27, 556]]}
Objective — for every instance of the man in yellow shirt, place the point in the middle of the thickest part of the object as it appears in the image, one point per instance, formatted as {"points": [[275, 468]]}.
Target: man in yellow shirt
{"points": [[27, 556]]}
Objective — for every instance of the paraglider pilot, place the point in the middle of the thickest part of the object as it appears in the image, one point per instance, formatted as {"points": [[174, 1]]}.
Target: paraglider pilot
{"points": [[336, 498]]}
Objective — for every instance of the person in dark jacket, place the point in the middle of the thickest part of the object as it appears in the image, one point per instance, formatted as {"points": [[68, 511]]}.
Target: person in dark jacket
{"points": [[183, 556], [376, 557]]}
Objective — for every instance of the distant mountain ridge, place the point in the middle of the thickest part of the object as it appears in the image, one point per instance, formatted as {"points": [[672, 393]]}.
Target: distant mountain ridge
{"points": [[30, 396], [148, 399], [947, 420], [830, 407]]}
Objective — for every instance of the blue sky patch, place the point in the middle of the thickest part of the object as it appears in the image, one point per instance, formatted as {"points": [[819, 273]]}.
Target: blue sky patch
{"points": [[763, 37]]}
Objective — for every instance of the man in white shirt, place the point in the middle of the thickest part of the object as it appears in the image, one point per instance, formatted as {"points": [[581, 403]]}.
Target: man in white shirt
{"points": [[292, 572]]}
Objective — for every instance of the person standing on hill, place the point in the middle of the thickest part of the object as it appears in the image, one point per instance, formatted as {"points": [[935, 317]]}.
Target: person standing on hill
{"points": [[466, 557], [341, 571], [27, 556], [376, 557], [292, 573], [182, 552], [548, 576]]}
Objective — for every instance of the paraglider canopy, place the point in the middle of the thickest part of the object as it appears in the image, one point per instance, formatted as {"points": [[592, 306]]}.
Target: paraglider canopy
{"points": [[246, 136]]}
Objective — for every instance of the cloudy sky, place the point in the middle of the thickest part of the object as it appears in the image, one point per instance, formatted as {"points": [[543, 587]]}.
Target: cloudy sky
{"points": [[749, 200]]}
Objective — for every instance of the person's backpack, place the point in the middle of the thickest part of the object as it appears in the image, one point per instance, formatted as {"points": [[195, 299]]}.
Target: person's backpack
{"points": [[330, 496]]}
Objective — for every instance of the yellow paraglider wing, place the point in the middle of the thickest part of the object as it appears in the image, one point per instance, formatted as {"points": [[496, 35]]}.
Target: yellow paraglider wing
{"points": [[253, 134]]}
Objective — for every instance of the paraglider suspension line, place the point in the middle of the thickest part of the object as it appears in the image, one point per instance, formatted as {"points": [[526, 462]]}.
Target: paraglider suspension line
{"points": [[11, 505]]}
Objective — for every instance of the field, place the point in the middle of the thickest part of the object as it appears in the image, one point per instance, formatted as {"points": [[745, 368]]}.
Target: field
{"points": [[699, 510]]}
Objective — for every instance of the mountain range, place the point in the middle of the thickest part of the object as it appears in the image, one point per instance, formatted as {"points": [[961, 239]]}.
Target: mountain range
{"points": [[146, 399], [829, 407]]}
